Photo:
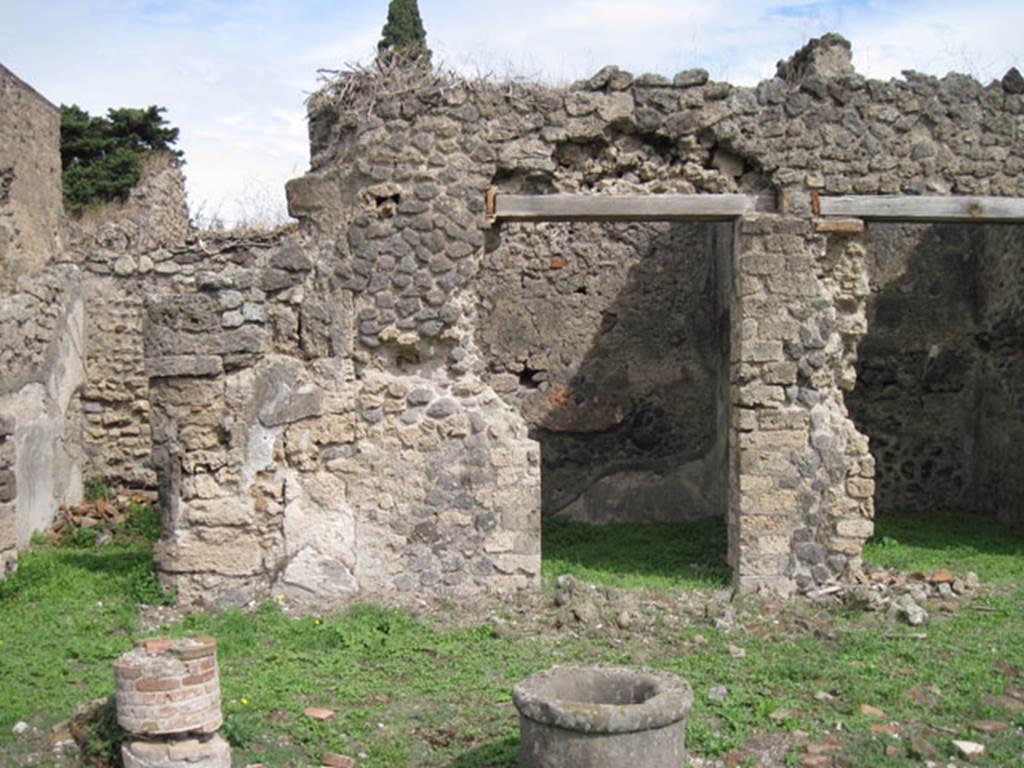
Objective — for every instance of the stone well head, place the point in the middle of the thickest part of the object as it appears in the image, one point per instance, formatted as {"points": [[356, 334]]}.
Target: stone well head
{"points": [[599, 716]]}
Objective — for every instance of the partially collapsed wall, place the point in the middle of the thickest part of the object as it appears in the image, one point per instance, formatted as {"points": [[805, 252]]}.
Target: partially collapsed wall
{"points": [[30, 206], [389, 395], [41, 325]]}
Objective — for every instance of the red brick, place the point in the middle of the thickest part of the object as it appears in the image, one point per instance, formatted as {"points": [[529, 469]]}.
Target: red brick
{"points": [[159, 684], [197, 679]]}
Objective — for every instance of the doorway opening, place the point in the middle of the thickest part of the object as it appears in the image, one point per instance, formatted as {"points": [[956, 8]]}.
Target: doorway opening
{"points": [[612, 340], [940, 374]]}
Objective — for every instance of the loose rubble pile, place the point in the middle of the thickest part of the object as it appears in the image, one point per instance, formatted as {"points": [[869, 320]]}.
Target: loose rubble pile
{"points": [[103, 515], [902, 596]]}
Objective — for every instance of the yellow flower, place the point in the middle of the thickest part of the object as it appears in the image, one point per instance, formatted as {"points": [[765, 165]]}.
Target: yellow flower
{"points": [[243, 701], [317, 621]]}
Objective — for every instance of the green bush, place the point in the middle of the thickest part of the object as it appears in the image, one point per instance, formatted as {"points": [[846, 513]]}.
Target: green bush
{"points": [[102, 157]]}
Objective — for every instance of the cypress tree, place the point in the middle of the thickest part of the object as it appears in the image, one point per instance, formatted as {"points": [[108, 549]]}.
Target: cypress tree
{"points": [[403, 39]]}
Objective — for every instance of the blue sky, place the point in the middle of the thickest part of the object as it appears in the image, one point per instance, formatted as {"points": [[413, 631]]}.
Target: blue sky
{"points": [[234, 74]]}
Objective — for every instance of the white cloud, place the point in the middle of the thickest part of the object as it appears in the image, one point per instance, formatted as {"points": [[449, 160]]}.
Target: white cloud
{"points": [[234, 74]]}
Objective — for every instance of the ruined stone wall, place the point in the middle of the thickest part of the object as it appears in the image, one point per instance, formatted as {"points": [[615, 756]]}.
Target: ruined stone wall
{"points": [[997, 479], [31, 210], [41, 325], [349, 409], [127, 250], [42, 356], [288, 462], [380, 399], [800, 474], [916, 379]]}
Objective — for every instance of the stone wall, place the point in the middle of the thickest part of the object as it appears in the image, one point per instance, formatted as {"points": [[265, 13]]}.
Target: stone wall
{"points": [[127, 250], [800, 474], [383, 398], [936, 372], [916, 382], [997, 479], [31, 210], [42, 355], [288, 462]]}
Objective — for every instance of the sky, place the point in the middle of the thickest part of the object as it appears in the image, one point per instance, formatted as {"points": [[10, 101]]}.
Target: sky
{"points": [[234, 74]]}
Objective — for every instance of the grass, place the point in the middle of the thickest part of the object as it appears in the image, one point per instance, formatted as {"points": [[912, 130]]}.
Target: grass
{"points": [[659, 555], [434, 690]]}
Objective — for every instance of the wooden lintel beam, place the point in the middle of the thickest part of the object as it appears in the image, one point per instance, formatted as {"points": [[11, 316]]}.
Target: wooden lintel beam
{"points": [[657, 207], [910, 208], [836, 225]]}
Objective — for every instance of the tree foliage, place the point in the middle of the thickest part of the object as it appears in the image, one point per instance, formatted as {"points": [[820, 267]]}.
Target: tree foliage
{"points": [[102, 157], [403, 39]]}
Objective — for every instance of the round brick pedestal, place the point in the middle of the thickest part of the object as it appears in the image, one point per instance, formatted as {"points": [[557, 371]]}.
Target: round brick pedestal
{"points": [[169, 687], [205, 752]]}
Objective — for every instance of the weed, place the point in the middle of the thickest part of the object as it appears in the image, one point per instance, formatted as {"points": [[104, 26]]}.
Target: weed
{"points": [[96, 489]]}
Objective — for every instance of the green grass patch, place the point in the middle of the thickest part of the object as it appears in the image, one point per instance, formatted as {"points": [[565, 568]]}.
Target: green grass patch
{"points": [[958, 542], [436, 691], [656, 555], [65, 615]]}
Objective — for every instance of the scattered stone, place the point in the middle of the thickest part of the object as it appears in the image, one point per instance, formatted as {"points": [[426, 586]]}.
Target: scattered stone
{"points": [[736, 652], [971, 580], [566, 583], [585, 613], [20, 728], [905, 608], [969, 749], [727, 620], [815, 761], [989, 726], [334, 760], [940, 577], [922, 748], [1006, 703], [624, 619], [318, 713], [870, 711], [718, 693], [823, 696]]}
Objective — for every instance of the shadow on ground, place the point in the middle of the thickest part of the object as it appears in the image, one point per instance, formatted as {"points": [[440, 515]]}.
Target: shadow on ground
{"points": [[958, 541], [634, 555], [503, 753]]}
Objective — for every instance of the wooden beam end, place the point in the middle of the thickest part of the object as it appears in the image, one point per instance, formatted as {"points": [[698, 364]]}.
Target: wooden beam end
{"points": [[839, 226]]}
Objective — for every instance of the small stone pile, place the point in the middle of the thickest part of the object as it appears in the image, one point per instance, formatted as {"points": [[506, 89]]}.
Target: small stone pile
{"points": [[104, 514], [168, 699], [903, 595]]}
